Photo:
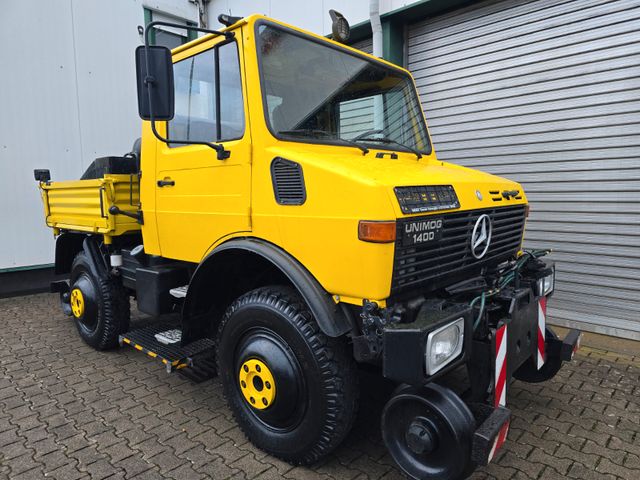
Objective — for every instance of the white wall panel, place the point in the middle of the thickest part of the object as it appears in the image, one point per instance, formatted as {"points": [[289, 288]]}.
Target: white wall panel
{"points": [[39, 122], [68, 95]]}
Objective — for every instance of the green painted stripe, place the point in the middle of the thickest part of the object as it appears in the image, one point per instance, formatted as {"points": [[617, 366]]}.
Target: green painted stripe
{"points": [[393, 42], [30, 267], [191, 34], [148, 18]]}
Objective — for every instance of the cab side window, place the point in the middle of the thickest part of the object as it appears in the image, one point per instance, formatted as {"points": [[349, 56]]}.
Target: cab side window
{"points": [[231, 106], [208, 97]]}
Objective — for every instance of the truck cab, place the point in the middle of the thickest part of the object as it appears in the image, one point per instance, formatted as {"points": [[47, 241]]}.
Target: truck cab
{"points": [[324, 144], [288, 203]]}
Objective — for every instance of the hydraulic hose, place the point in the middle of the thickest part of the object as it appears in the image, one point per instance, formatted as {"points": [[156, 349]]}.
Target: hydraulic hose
{"points": [[504, 280]]}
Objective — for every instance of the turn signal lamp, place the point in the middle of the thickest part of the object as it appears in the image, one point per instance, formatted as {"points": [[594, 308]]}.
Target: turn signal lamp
{"points": [[376, 231]]}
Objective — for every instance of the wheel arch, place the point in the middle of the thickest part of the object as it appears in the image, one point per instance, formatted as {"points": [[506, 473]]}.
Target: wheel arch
{"points": [[240, 265]]}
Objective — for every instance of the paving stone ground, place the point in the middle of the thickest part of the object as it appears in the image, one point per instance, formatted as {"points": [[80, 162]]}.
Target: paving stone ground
{"points": [[68, 412]]}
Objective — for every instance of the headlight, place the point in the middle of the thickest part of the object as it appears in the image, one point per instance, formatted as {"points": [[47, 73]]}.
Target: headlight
{"points": [[546, 284], [444, 345]]}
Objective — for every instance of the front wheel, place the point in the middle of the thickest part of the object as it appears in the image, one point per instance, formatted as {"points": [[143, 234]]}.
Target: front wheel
{"points": [[292, 389]]}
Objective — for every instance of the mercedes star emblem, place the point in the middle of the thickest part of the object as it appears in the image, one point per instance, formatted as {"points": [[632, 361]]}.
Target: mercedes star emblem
{"points": [[481, 236]]}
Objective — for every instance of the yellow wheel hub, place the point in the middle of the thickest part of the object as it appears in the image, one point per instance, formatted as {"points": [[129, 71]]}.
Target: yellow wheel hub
{"points": [[77, 303], [257, 384]]}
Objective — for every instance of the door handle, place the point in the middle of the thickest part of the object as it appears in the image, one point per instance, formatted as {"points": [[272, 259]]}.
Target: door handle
{"points": [[166, 183]]}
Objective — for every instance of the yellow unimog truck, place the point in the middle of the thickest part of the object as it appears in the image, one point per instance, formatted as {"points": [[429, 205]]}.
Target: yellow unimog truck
{"points": [[285, 199]]}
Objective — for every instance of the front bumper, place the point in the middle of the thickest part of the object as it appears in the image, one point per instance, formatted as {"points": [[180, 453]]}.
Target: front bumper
{"points": [[517, 337], [404, 344], [504, 339]]}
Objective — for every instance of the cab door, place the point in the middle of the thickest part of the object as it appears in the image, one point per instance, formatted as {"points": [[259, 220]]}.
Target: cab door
{"points": [[200, 199]]}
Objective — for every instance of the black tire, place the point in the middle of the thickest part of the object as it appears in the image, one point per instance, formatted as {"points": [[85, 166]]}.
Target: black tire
{"points": [[315, 377], [528, 372], [105, 313]]}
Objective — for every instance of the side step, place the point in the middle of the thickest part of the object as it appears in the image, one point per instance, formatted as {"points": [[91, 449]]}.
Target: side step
{"points": [[162, 341]]}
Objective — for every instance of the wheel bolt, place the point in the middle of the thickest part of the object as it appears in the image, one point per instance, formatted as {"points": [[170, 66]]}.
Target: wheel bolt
{"points": [[268, 385]]}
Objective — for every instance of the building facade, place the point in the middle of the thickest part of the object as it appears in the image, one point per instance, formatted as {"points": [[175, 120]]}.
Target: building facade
{"points": [[545, 92], [68, 96]]}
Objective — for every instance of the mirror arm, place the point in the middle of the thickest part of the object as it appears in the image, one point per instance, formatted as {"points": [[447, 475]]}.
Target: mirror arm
{"points": [[150, 25], [222, 153]]}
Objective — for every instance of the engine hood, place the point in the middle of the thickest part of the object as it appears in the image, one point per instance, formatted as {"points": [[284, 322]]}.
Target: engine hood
{"points": [[474, 189]]}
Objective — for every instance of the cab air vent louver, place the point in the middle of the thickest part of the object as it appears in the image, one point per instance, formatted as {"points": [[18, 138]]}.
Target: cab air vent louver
{"points": [[288, 182]]}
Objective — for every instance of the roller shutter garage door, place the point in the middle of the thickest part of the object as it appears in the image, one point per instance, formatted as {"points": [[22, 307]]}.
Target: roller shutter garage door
{"points": [[366, 45], [547, 93]]}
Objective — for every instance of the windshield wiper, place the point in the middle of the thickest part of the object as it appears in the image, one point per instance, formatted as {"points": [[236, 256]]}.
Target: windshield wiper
{"points": [[365, 137], [324, 133]]}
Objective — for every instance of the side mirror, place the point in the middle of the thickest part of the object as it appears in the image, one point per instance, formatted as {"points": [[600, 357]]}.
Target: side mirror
{"points": [[155, 83]]}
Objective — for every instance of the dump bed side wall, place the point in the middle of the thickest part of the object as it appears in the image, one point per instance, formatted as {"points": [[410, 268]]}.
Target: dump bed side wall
{"points": [[83, 205]]}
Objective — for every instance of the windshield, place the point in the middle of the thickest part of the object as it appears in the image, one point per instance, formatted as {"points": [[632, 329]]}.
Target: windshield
{"points": [[315, 92]]}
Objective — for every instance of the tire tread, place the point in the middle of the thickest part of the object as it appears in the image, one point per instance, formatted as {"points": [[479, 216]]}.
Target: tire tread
{"points": [[337, 366], [114, 308]]}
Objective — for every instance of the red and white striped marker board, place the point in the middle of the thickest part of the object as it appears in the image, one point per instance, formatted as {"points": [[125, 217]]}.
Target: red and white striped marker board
{"points": [[542, 318], [501, 367]]}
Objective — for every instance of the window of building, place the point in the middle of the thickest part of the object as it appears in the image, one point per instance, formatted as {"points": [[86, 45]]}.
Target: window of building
{"points": [[169, 39], [207, 110], [167, 36]]}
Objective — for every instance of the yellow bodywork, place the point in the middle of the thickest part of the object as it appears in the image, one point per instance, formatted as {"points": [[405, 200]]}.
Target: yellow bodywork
{"points": [[214, 201], [83, 205]]}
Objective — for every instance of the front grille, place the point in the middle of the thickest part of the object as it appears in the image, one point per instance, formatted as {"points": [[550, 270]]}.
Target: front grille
{"points": [[448, 258]]}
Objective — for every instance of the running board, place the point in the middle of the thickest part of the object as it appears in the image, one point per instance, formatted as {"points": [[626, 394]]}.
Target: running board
{"points": [[162, 342]]}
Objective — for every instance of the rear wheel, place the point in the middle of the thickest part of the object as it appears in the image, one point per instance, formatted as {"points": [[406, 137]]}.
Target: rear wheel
{"points": [[99, 306], [292, 390]]}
